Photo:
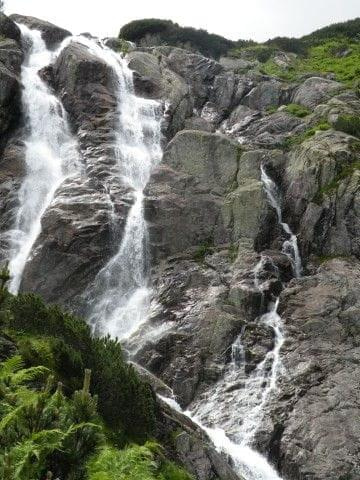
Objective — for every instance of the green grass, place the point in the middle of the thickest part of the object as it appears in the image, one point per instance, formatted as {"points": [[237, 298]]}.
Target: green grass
{"points": [[323, 59], [202, 250], [295, 140], [297, 110]]}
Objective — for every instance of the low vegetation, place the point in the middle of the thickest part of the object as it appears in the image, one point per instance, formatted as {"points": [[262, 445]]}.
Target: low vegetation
{"points": [[70, 406], [153, 31], [295, 140], [297, 110]]}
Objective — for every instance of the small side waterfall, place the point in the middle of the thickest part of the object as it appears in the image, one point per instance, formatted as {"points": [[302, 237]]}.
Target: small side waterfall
{"points": [[121, 295], [51, 154], [290, 246], [232, 411]]}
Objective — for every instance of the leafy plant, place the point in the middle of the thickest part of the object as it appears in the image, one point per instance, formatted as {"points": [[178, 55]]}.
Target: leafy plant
{"points": [[206, 248], [126, 403], [297, 110]]}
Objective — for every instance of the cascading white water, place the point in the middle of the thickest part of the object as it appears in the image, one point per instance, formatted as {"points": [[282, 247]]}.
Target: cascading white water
{"points": [[121, 292], [51, 154], [290, 247], [232, 411]]}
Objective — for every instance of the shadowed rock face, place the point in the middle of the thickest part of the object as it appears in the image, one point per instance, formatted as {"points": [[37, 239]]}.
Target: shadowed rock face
{"points": [[209, 223]]}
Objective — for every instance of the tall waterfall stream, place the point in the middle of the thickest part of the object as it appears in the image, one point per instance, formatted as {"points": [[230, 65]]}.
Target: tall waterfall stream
{"points": [[51, 154], [121, 292]]}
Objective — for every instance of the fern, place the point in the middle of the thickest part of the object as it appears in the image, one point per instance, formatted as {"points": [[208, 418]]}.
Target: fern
{"points": [[29, 375]]}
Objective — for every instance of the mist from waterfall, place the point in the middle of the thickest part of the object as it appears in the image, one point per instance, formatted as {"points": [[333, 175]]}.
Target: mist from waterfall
{"points": [[120, 296], [51, 154]]}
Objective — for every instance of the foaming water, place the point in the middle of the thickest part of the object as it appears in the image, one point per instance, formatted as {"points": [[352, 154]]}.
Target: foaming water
{"points": [[290, 247], [50, 154], [121, 294], [231, 412]]}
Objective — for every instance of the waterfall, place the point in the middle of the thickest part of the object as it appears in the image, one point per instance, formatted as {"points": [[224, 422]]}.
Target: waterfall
{"points": [[50, 154], [290, 246], [121, 294], [232, 410]]}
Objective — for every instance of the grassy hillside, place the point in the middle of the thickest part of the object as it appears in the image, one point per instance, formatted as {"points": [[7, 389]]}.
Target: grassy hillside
{"points": [[333, 49]]}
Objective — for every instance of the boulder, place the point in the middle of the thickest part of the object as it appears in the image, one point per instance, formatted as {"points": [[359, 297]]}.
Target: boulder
{"points": [[266, 94], [237, 64], [315, 90], [51, 34]]}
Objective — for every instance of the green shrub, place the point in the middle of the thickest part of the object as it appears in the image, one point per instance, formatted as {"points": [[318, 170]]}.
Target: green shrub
{"points": [[125, 402], [349, 29], [297, 110], [349, 124], [156, 31], [170, 471], [294, 45], [206, 248], [42, 431], [262, 53]]}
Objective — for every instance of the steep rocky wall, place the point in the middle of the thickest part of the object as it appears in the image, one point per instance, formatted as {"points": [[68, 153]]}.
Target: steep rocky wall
{"points": [[209, 223]]}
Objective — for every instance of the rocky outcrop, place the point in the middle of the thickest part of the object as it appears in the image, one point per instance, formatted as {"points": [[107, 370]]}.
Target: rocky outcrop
{"points": [[51, 34], [197, 171], [322, 179], [315, 433], [315, 90], [191, 447]]}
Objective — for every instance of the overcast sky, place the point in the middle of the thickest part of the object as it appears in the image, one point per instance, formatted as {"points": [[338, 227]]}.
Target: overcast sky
{"points": [[256, 19]]}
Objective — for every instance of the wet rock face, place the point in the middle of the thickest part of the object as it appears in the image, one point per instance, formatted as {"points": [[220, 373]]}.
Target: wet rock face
{"points": [[314, 413], [322, 193], [51, 34], [90, 210], [197, 171]]}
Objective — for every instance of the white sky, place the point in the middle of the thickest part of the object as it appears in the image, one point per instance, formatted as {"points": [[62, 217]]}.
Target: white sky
{"points": [[256, 19]]}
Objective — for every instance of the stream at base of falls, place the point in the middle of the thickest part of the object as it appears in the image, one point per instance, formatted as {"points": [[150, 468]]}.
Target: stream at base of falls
{"points": [[121, 293]]}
